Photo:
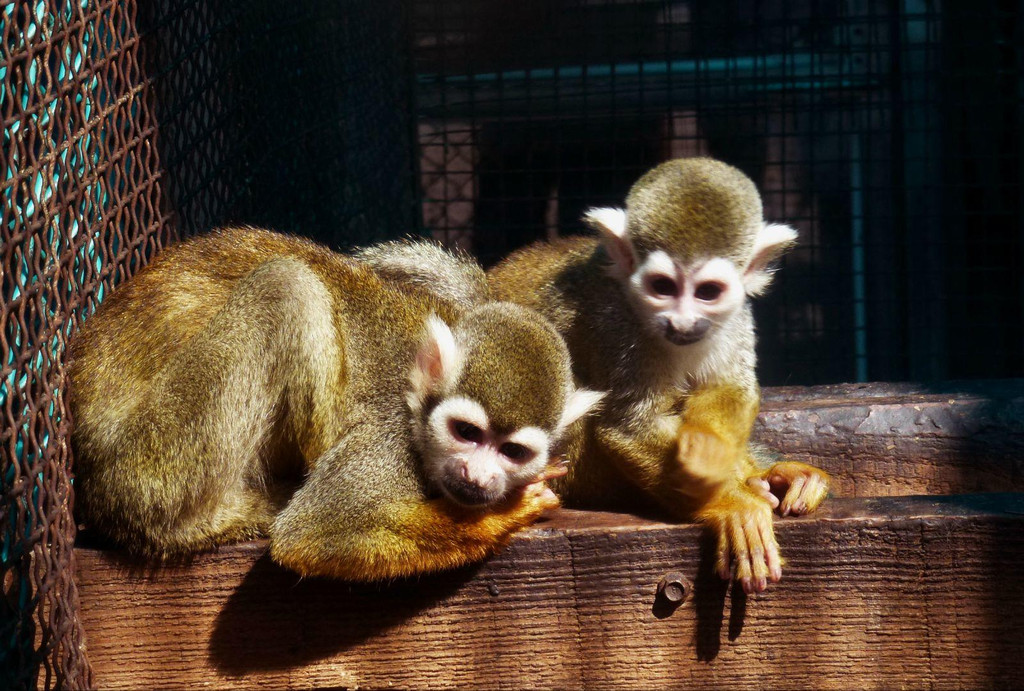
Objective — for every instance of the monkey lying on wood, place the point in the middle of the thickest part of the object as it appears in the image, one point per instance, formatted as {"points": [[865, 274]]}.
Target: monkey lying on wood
{"points": [[242, 364], [655, 312]]}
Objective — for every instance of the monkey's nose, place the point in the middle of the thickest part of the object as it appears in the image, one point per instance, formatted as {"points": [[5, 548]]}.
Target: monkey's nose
{"points": [[687, 336]]}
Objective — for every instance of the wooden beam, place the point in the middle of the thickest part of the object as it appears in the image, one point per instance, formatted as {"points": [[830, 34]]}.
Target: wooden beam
{"points": [[921, 592], [899, 439]]}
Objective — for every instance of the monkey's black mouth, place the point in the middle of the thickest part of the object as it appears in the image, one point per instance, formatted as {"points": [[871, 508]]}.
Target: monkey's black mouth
{"points": [[468, 494], [681, 338], [689, 336]]}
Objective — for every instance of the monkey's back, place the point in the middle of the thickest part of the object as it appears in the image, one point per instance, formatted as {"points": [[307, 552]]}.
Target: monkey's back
{"points": [[145, 323], [535, 277], [420, 264]]}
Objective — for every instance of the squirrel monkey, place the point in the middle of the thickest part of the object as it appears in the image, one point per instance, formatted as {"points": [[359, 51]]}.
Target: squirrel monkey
{"points": [[655, 312], [247, 383]]}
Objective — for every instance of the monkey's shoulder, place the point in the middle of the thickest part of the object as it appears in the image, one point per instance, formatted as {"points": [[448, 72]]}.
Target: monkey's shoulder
{"points": [[538, 262], [549, 276]]}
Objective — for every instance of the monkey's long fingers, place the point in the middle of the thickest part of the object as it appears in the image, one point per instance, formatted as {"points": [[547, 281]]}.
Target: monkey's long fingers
{"points": [[814, 492], [786, 507], [757, 551], [771, 552], [723, 552], [551, 472], [802, 487], [764, 490], [535, 497], [741, 552]]}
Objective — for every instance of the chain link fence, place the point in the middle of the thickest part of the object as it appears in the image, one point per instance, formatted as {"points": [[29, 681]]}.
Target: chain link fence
{"points": [[126, 125]]}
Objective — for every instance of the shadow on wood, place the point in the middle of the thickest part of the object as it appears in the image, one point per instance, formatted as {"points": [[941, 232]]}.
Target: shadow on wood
{"points": [[707, 600], [275, 620], [709, 591]]}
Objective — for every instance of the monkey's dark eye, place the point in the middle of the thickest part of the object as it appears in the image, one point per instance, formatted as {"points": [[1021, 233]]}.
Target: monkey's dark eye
{"points": [[663, 285], [515, 452], [467, 431], [709, 290]]}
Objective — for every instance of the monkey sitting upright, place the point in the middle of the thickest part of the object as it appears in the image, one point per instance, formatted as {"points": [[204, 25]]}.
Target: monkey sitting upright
{"points": [[418, 431], [656, 313]]}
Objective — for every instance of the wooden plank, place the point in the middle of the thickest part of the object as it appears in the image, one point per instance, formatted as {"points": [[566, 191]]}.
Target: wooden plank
{"points": [[900, 439], [877, 593]]}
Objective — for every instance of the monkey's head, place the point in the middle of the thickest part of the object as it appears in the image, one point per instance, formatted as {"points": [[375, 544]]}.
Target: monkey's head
{"points": [[690, 246], [489, 399]]}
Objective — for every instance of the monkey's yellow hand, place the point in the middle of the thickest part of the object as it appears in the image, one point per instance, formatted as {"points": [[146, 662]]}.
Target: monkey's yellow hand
{"points": [[706, 463], [742, 522], [538, 498], [496, 524], [792, 487], [557, 467]]}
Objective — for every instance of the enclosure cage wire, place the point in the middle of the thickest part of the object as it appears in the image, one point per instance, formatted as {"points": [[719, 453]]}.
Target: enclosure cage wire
{"points": [[78, 169], [126, 126], [887, 133]]}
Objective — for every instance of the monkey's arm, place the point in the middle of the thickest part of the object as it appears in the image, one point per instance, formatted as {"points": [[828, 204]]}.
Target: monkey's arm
{"points": [[409, 538], [728, 413], [715, 429], [684, 451], [352, 523], [696, 464]]}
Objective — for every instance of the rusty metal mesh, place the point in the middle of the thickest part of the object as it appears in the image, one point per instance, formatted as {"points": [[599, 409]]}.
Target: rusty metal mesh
{"points": [[80, 198], [297, 120]]}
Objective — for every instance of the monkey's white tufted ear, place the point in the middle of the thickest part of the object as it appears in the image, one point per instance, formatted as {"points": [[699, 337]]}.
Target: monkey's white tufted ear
{"points": [[611, 224], [772, 242], [438, 359], [581, 402]]}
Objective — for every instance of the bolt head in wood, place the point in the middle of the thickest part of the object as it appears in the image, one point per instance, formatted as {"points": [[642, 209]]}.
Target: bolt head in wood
{"points": [[674, 587]]}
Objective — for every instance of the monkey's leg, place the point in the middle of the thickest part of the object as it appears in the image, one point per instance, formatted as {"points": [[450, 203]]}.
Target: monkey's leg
{"points": [[402, 538], [262, 371]]}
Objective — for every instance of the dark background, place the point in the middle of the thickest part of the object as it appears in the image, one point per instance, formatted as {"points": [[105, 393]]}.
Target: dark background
{"points": [[887, 133]]}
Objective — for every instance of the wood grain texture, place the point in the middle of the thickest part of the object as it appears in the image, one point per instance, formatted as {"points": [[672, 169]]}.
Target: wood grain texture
{"points": [[901, 439], [917, 592]]}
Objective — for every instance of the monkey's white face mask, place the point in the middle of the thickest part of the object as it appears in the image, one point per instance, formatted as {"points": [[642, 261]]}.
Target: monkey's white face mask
{"points": [[464, 455], [684, 300]]}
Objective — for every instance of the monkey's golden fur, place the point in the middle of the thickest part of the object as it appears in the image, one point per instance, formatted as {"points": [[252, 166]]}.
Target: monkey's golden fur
{"points": [[717, 224], [675, 424], [247, 383]]}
